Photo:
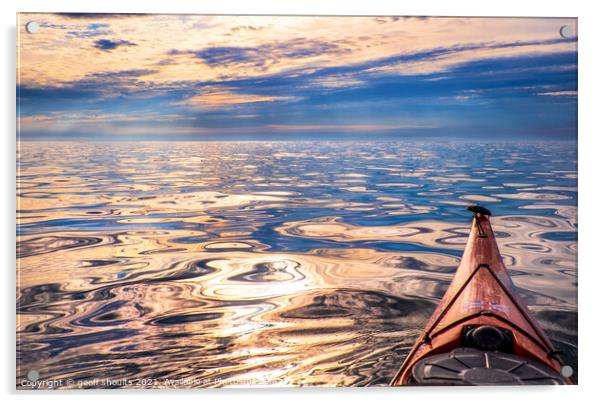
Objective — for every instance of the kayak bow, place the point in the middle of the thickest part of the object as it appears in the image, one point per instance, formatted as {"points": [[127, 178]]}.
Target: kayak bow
{"points": [[481, 333]]}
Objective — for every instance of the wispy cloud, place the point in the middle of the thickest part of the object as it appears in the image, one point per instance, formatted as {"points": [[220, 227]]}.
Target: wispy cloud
{"points": [[110, 44], [265, 54], [559, 94], [92, 121], [349, 127], [337, 81], [213, 98], [89, 31], [98, 16]]}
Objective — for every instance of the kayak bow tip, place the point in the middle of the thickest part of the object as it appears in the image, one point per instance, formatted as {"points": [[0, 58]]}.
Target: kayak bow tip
{"points": [[476, 209]]}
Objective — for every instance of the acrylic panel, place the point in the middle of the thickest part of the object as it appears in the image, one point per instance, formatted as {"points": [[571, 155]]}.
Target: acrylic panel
{"points": [[226, 201]]}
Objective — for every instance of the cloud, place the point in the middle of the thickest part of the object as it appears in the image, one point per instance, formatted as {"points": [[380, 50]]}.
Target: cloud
{"points": [[96, 16], [348, 127], [263, 54], [442, 59], [97, 88], [96, 121], [384, 20], [108, 44], [223, 98], [337, 81], [93, 116], [116, 77], [245, 28], [228, 55], [559, 94], [90, 31], [152, 123]]}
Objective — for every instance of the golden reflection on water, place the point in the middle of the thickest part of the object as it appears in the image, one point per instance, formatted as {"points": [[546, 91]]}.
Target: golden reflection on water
{"points": [[266, 262]]}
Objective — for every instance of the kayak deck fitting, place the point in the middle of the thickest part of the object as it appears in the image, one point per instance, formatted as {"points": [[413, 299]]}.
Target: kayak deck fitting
{"points": [[481, 333]]}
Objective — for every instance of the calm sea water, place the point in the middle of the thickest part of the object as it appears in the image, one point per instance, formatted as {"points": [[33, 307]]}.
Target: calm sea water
{"points": [[296, 263]]}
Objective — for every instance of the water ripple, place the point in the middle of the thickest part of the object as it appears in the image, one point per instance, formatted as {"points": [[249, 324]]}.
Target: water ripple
{"points": [[216, 264]]}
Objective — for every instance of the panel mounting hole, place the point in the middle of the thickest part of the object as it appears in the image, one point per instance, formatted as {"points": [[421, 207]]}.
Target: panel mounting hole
{"points": [[32, 27], [566, 31]]}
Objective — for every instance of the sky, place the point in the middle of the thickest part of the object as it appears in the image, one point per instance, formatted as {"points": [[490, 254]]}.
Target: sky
{"points": [[192, 77]]}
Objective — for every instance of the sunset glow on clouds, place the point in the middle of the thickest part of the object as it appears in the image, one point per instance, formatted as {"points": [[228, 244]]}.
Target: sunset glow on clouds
{"points": [[227, 77]]}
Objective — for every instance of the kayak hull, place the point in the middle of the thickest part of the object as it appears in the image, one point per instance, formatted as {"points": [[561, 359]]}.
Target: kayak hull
{"points": [[481, 294]]}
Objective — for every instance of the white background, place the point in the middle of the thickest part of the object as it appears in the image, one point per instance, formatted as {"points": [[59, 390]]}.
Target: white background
{"points": [[590, 197]]}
